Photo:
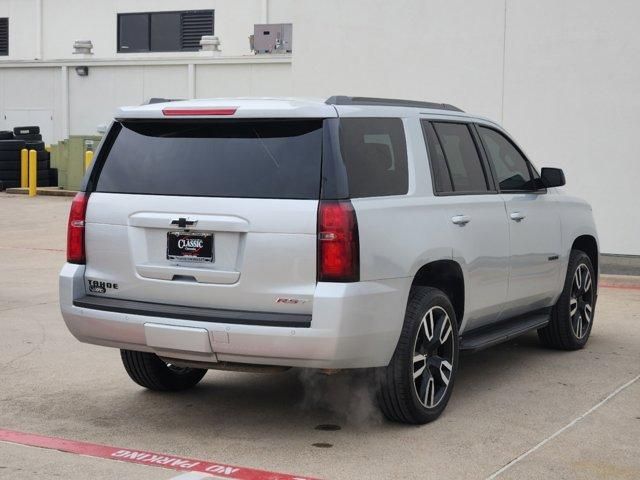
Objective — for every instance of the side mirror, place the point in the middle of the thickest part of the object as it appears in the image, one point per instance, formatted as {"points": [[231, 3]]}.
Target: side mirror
{"points": [[552, 177]]}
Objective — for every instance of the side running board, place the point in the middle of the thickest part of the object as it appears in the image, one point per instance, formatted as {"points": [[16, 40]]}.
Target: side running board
{"points": [[490, 335]]}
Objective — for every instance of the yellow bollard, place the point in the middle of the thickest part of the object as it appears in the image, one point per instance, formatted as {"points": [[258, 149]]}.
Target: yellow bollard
{"points": [[24, 168], [88, 157], [33, 172]]}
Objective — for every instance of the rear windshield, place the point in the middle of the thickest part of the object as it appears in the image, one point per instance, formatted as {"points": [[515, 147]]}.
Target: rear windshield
{"points": [[251, 159]]}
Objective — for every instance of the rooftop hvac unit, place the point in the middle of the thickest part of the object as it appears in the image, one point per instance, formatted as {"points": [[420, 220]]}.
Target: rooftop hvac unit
{"points": [[272, 38]]}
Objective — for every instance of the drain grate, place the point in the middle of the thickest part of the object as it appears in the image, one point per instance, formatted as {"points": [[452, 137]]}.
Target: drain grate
{"points": [[328, 427], [322, 445]]}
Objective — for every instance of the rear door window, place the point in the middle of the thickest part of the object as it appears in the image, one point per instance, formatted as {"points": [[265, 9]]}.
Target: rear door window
{"points": [[251, 159], [374, 153], [465, 168]]}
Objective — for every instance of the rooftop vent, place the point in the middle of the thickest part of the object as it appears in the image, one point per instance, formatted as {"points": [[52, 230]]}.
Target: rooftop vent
{"points": [[83, 47], [210, 44]]}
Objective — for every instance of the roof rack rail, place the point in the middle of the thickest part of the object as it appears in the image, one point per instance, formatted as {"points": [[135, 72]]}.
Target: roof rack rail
{"points": [[388, 102]]}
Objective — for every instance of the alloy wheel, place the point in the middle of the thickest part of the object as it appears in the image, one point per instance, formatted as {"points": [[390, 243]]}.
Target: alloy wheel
{"points": [[433, 354], [176, 369], [581, 301]]}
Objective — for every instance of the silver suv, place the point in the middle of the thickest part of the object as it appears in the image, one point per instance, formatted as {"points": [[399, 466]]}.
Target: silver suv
{"points": [[348, 233]]}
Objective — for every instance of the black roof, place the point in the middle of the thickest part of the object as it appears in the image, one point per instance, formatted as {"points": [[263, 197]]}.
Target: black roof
{"points": [[388, 102]]}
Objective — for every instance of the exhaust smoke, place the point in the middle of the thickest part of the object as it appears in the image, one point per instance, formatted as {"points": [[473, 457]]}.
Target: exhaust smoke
{"points": [[349, 395]]}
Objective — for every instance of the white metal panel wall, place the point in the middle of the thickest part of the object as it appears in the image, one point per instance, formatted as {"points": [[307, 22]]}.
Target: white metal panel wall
{"points": [[22, 28], [29, 95], [94, 99], [244, 80], [167, 81], [423, 49], [572, 97]]}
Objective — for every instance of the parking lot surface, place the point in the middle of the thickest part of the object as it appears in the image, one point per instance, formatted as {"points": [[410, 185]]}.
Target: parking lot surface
{"points": [[517, 411]]}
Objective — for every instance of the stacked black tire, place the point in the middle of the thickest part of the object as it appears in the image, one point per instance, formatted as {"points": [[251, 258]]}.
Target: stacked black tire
{"points": [[11, 143]]}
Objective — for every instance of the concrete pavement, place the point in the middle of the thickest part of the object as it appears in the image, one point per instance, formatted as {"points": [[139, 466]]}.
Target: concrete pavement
{"points": [[507, 400]]}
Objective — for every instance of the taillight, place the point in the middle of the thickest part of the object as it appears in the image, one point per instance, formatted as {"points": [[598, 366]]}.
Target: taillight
{"points": [[338, 244], [75, 229]]}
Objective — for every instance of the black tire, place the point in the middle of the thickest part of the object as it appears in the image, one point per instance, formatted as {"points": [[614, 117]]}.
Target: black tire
{"points": [[10, 163], [26, 130], [398, 393], [566, 331], [43, 155], [11, 145], [29, 137], [8, 156], [12, 175], [53, 177], [38, 146], [10, 183], [6, 135], [149, 371]]}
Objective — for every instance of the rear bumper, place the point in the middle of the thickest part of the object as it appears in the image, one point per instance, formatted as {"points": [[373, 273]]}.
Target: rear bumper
{"points": [[352, 325], [209, 315]]}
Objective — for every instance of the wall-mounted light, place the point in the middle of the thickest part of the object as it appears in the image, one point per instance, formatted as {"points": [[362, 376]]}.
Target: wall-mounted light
{"points": [[82, 71]]}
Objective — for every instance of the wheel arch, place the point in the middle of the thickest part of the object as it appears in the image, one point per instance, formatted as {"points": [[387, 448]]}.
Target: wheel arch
{"points": [[447, 276], [589, 245]]}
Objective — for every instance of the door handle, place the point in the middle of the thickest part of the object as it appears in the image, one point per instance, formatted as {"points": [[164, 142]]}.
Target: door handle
{"points": [[460, 219], [517, 216]]}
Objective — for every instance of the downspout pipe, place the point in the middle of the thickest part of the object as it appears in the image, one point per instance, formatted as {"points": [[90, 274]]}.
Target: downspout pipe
{"points": [[38, 29]]}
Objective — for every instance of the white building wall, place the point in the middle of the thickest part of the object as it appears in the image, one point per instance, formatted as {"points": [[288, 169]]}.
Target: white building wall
{"points": [[29, 95], [107, 88], [572, 97], [96, 20], [244, 80], [422, 49], [22, 28], [561, 76]]}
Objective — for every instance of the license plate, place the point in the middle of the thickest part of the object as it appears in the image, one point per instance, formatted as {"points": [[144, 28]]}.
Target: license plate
{"points": [[190, 247]]}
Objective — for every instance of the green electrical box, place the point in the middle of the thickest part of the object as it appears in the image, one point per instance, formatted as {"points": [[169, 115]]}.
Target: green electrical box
{"points": [[68, 157]]}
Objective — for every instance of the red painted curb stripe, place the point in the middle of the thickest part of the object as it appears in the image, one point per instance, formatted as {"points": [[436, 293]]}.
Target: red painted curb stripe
{"points": [[142, 457], [619, 287], [34, 248]]}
